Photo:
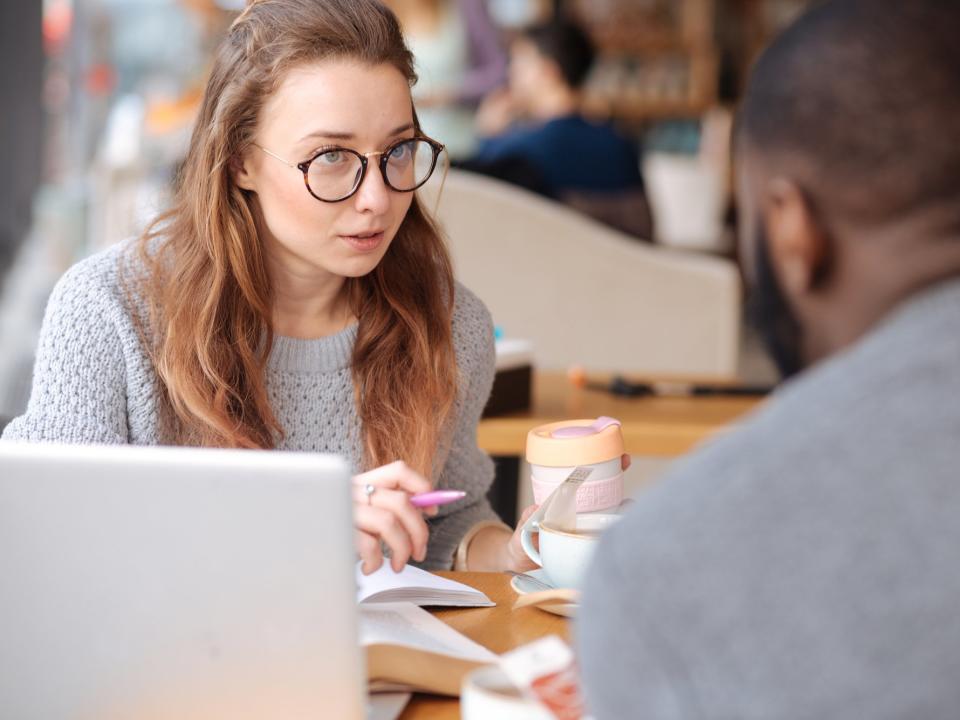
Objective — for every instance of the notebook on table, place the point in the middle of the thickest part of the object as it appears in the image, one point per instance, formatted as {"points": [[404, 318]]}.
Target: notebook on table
{"points": [[406, 647], [409, 649], [418, 587]]}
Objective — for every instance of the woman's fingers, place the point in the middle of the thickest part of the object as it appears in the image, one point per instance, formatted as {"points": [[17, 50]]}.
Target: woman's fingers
{"points": [[410, 518], [624, 462], [368, 548], [383, 524], [396, 476], [386, 514]]}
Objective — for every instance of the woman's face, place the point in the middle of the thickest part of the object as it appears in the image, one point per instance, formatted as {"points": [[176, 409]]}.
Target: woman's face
{"points": [[330, 103]]}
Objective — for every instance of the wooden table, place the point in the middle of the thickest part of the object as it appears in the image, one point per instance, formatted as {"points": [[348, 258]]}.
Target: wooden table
{"points": [[498, 629], [655, 426]]}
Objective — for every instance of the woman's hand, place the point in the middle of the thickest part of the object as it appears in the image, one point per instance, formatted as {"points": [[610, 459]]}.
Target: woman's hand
{"points": [[516, 558], [387, 515]]}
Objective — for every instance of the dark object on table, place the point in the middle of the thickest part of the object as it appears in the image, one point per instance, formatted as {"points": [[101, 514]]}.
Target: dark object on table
{"points": [[619, 385], [511, 391]]}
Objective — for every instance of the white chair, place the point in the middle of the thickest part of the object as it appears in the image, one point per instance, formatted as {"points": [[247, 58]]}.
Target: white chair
{"points": [[586, 294]]}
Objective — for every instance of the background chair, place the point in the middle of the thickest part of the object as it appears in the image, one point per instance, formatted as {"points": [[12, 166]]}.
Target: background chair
{"points": [[584, 293]]}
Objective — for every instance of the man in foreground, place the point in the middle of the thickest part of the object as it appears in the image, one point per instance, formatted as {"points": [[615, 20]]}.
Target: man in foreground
{"points": [[806, 565]]}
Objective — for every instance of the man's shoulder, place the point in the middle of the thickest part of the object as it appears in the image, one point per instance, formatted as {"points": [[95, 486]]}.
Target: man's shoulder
{"points": [[835, 487], [834, 428]]}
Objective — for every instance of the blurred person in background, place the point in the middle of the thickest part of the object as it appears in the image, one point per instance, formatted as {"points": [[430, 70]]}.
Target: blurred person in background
{"points": [[537, 137], [458, 58], [296, 296], [805, 566]]}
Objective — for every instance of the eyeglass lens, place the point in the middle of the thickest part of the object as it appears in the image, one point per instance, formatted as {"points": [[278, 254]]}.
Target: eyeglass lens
{"points": [[334, 174]]}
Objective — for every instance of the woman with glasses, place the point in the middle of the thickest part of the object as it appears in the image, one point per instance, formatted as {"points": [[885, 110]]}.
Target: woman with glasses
{"points": [[296, 295]]}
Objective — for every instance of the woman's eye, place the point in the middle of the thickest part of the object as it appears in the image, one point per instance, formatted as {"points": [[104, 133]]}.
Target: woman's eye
{"points": [[332, 157], [400, 152]]}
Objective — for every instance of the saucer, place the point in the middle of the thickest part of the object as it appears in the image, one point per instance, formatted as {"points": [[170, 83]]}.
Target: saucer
{"points": [[523, 586]]}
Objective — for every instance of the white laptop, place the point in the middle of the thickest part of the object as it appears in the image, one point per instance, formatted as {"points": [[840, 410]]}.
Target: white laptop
{"points": [[171, 583]]}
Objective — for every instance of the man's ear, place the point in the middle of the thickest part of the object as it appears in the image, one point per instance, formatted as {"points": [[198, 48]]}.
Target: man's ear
{"points": [[798, 243], [240, 169]]}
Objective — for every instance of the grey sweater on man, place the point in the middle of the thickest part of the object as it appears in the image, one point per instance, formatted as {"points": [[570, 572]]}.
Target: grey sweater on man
{"points": [[807, 565], [93, 382]]}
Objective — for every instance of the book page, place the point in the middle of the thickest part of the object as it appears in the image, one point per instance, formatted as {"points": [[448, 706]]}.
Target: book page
{"points": [[387, 705], [408, 625], [423, 587]]}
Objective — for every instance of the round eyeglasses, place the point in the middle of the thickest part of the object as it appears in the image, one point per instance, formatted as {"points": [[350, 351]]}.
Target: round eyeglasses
{"points": [[335, 173]]}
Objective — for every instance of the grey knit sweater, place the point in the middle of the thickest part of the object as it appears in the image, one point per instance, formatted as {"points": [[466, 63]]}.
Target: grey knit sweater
{"points": [[805, 566], [93, 382]]}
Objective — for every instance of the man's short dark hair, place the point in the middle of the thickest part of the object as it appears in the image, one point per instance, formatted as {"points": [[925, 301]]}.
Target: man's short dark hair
{"points": [[861, 98], [566, 44]]}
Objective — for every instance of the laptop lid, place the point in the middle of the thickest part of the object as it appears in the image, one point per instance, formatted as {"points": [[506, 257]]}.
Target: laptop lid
{"points": [[176, 583]]}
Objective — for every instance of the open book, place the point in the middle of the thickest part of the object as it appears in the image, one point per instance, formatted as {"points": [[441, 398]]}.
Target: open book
{"points": [[416, 586], [409, 649]]}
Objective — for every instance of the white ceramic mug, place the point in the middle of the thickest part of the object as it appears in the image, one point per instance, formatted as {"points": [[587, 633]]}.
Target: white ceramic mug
{"points": [[564, 555]]}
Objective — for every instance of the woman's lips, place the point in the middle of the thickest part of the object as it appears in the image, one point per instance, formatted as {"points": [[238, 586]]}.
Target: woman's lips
{"points": [[366, 242]]}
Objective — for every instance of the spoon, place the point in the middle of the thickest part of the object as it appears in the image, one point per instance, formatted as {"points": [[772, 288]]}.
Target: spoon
{"points": [[557, 596], [539, 583], [565, 490]]}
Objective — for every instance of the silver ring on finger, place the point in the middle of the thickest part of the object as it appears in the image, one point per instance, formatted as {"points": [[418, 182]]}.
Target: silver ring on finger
{"points": [[368, 491]]}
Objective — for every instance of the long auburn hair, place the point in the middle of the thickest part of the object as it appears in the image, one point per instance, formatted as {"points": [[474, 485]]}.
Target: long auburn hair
{"points": [[207, 289]]}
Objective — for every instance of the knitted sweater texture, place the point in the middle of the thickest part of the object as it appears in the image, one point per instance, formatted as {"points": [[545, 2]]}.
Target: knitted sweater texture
{"points": [[94, 382]]}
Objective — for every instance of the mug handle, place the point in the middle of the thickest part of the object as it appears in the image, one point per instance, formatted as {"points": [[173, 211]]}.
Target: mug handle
{"points": [[530, 528]]}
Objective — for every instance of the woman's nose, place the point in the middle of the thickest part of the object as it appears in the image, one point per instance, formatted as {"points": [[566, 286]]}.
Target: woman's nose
{"points": [[373, 195]]}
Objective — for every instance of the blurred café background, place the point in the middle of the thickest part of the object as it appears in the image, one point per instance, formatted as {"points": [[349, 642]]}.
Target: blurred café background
{"points": [[99, 96]]}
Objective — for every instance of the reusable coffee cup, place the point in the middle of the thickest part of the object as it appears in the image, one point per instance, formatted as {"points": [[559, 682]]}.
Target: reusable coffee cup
{"points": [[564, 554], [555, 449]]}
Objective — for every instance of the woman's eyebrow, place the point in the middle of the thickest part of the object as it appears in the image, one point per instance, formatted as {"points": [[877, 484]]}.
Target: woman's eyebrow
{"points": [[332, 135]]}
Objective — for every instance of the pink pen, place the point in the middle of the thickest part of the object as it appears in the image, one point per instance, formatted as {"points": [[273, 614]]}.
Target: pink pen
{"points": [[436, 497]]}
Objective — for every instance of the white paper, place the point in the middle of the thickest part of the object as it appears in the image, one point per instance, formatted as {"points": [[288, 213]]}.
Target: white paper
{"points": [[408, 625], [416, 586]]}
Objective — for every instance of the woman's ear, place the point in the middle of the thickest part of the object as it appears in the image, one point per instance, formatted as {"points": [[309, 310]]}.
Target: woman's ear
{"points": [[242, 173], [798, 243]]}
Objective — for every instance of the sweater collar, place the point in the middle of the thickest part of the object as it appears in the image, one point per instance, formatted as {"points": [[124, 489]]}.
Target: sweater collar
{"points": [[324, 354]]}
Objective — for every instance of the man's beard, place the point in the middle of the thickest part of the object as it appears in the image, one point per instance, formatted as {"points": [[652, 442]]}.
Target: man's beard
{"points": [[770, 314]]}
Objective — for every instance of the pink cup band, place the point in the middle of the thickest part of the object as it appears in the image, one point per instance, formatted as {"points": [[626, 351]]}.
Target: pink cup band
{"points": [[592, 496]]}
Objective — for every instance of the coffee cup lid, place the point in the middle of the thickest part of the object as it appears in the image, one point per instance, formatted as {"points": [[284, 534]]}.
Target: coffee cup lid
{"points": [[575, 442]]}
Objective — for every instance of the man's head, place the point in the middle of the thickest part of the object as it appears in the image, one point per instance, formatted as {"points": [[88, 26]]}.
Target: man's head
{"points": [[548, 57], [848, 169]]}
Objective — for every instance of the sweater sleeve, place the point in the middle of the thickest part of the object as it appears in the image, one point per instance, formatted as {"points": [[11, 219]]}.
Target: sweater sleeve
{"points": [[79, 389], [466, 467]]}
